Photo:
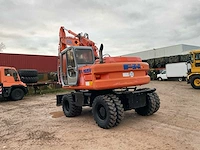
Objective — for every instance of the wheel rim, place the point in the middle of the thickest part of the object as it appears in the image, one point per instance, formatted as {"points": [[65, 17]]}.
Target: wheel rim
{"points": [[101, 112], [180, 79], [18, 94], [197, 82]]}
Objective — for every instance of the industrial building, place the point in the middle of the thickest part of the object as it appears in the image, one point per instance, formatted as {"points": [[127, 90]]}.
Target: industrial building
{"points": [[42, 63], [174, 50]]}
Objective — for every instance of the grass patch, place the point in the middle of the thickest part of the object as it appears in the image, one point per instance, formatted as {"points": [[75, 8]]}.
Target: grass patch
{"points": [[45, 90]]}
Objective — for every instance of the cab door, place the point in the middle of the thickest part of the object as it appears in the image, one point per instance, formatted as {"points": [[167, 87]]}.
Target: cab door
{"points": [[197, 62], [10, 77], [69, 68]]}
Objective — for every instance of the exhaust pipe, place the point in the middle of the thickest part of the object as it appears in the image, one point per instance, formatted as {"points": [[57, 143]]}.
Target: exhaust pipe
{"points": [[100, 54]]}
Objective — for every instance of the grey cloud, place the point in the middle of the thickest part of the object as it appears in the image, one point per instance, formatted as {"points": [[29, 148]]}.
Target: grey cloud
{"points": [[123, 26]]}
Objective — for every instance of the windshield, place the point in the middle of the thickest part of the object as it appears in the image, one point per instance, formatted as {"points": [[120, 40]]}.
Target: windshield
{"points": [[84, 56], [12, 73], [197, 56], [163, 72]]}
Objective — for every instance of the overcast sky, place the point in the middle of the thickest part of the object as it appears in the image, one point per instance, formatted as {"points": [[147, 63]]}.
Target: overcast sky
{"points": [[123, 26]]}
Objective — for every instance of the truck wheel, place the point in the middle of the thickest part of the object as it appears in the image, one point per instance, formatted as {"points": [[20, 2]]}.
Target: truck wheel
{"points": [[69, 108], [104, 111], [17, 94], [159, 79], [180, 79], [195, 82], [119, 108], [152, 105]]}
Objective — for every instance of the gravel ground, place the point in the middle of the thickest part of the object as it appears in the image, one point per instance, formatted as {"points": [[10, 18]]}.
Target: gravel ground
{"points": [[36, 123]]}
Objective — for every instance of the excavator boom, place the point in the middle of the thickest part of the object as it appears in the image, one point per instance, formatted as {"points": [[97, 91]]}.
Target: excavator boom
{"points": [[75, 40]]}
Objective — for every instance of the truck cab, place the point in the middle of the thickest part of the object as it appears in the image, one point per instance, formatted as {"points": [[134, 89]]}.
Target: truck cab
{"points": [[162, 75], [194, 73], [10, 84]]}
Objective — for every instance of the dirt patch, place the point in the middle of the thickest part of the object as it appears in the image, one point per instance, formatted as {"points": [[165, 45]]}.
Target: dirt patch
{"points": [[36, 123], [57, 114]]}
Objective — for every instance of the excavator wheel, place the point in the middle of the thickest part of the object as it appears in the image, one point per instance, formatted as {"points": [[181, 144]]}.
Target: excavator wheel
{"points": [[152, 105], [195, 82], [119, 108], [69, 108], [157, 101], [104, 111]]}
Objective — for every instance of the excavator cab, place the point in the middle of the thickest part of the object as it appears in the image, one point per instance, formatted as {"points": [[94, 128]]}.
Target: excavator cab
{"points": [[71, 59]]}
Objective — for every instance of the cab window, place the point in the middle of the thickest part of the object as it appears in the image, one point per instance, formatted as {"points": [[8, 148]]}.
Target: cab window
{"points": [[163, 72], [71, 64], [70, 58], [197, 56], [84, 56], [12, 73]]}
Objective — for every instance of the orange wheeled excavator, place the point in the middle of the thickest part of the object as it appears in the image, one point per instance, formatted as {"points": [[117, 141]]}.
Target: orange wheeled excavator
{"points": [[107, 84]]}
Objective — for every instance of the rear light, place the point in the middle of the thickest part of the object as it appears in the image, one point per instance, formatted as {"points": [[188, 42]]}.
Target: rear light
{"points": [[88, 83]]}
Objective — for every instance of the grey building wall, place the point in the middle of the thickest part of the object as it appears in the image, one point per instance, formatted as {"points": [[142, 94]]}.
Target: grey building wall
{"points": [[187, 48], [180, 49]]}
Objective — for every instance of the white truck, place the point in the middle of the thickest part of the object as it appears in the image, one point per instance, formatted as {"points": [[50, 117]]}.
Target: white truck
{"points": [[175, 71]]}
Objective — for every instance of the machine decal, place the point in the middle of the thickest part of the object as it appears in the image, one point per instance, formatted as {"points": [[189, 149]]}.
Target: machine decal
{"points": [[125, 74], [133, 66], [88, 70], [131, 74], [69, 42], [128, 74]]}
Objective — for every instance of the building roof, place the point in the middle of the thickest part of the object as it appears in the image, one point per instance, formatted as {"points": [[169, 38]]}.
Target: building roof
{"points": [[180, 49]]}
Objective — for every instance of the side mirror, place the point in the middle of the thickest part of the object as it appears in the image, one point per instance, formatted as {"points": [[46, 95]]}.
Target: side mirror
{"points": [[188, 61]]}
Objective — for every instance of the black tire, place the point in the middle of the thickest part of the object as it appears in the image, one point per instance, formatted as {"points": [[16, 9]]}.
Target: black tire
{"points": [[29, 79], [104, 111], [69, 108], [159, 79], [17, 94], [119, 108], [152, 105], [157, 101], [195, 82], [28, 72]]}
